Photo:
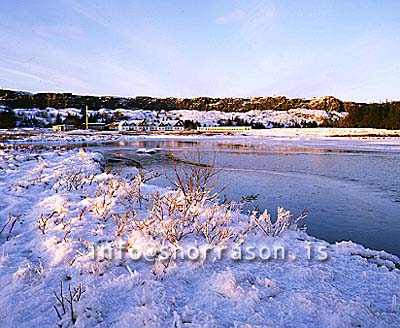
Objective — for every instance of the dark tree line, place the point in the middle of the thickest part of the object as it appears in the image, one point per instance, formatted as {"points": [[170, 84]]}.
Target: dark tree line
{"points": [[7, 119], [384, 116], [78, 120]]}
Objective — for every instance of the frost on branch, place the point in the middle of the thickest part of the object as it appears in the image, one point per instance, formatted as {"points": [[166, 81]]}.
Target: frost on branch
{"points": [[66, 304], [285, 221]]}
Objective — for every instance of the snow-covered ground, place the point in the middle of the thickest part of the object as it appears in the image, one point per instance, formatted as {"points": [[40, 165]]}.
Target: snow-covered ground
{"points": [[63, 220], [327, 132], [48, 136], [267, 118]]}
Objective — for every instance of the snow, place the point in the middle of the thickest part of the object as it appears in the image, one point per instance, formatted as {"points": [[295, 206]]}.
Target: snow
{"points": [[268, 118], [146, 150], [49, 137], [69, 195], [364, 133]]}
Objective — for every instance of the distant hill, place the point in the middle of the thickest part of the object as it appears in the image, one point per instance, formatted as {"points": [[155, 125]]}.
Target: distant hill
{"points": [[375, 115]]}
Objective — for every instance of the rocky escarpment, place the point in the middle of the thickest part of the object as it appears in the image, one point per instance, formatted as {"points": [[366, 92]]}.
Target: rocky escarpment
{"points": [[259, 103], [15, 99], [376, 115]]}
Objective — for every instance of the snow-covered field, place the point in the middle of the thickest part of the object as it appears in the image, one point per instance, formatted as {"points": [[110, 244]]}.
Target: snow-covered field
{"points": [[328, 132], [48, 136], [71, 236], [267, 118]]}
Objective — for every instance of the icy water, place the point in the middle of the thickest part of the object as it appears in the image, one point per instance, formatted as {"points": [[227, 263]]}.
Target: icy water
{"points": [[351, 188]]}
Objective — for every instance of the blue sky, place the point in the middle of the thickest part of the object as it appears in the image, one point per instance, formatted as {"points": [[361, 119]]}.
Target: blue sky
{"points": [[220, 48]]}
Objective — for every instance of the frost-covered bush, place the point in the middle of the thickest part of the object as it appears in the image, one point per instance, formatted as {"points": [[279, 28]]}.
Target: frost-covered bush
{"points": [[193, 208], [285, 220], [30, 273], [67, 304], [125, 207]]}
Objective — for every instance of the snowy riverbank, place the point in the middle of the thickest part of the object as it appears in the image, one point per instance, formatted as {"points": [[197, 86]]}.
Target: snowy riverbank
{"points": [[328, 132], [66, 220], [49, 137]]}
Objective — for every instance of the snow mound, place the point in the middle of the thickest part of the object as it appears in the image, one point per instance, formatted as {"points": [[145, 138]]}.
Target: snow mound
{"points": [[70, 241]]}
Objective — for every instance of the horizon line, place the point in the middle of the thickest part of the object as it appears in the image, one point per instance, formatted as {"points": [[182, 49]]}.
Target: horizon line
{"points": [[203, 96]]}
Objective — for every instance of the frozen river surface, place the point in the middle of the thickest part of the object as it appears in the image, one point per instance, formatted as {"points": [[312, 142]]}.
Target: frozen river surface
{"points": [[351, 187]]}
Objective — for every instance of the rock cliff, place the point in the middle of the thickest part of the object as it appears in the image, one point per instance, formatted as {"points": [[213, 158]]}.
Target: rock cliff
{"points": [[15, 99]]}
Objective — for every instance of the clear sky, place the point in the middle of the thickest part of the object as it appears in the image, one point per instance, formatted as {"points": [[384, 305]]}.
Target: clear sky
{"points": [[346, 48]]}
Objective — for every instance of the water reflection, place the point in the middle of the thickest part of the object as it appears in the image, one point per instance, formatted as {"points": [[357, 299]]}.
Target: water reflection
{"points": [[351, 193]]}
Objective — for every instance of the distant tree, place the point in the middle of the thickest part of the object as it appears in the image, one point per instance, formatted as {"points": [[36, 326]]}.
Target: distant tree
{"points": [[31, 122], [392, 117], [117, 116], [257, 125], [240, 122], [7, 119], [93, 118], [105, 118], [58, 119], [383, 115], [314, 124], [83, 115], [73, 120], [191, 125]]}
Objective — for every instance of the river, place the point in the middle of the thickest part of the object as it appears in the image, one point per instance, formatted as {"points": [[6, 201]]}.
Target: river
{"points": [[350, 187]]}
